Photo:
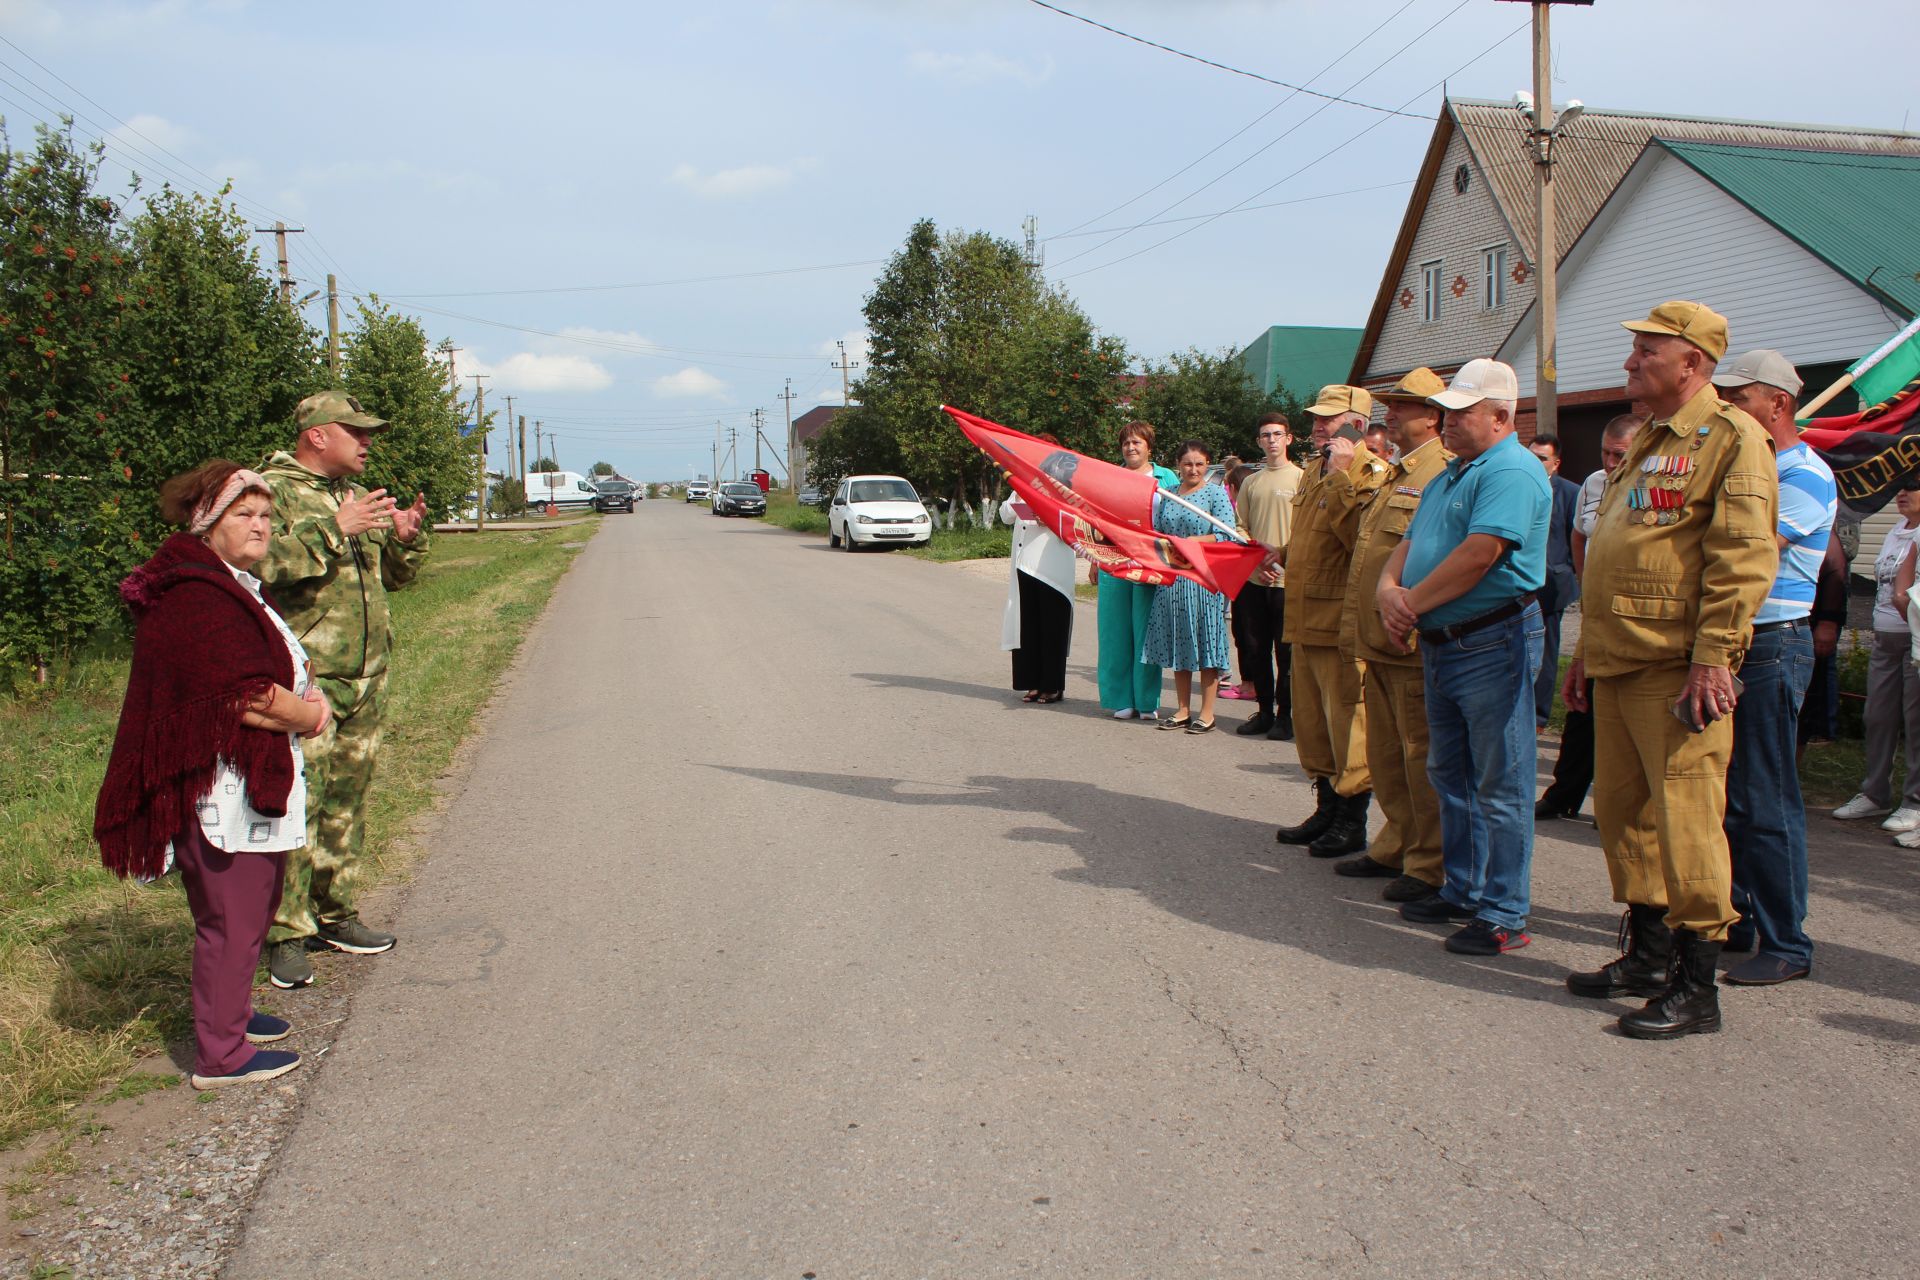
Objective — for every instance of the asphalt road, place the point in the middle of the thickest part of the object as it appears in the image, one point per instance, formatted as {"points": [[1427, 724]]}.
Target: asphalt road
{"points": [[769, 935]]}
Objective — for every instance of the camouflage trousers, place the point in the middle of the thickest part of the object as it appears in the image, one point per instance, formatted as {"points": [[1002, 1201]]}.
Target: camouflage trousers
{"points": [[323, 874]]}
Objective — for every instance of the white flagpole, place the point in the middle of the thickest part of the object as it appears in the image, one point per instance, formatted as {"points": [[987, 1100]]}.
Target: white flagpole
{"points": [[1208, 516]]}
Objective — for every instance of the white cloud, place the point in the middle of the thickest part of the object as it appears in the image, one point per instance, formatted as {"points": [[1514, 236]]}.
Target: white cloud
{"points": [[537, 371], [616, 340], [857, 342], [149, 131], [746, 180], [690, 383], [978, 68]]}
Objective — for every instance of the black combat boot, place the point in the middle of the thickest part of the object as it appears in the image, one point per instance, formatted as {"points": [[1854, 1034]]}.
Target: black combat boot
{"points": [[1325, 806], [1261, 721], [1691, 1006], [1282, 730], [1348, 831], [1645, 965]]}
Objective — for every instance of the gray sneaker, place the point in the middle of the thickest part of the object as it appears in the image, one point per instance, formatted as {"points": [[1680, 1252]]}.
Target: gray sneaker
{"points": [[351, 936], [287, 965]]}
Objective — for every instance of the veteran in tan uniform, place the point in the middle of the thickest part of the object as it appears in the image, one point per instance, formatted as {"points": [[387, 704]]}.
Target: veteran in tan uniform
{"points": [[1328, 720], [1407, 848], [1682, 556]]}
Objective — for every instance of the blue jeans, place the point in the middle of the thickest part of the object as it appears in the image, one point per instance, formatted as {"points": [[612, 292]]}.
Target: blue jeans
{"points": [[1547, 683], [1482, 756], [1766, 819]]}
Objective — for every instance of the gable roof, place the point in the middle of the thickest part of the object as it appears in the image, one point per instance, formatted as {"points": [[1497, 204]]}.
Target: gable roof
{"points": [[1302, 358], [1594, 153], [815, 420], [1858, 213]]}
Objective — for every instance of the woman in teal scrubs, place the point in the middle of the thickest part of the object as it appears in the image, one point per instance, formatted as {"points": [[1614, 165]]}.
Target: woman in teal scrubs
{"points": [[1129, 687]]}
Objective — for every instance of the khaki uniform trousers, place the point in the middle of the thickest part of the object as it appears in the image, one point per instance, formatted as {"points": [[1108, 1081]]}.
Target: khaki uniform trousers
{"points": [[1396, 702], [322, 875], [1329, 722], [1660, 798]]}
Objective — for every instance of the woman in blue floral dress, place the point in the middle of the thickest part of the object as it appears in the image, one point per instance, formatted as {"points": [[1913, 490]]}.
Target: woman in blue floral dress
{"points": [[1187, 629]]}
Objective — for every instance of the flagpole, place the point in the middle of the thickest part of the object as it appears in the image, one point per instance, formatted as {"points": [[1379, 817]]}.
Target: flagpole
{"points": [[1845, 380], [1208, 516]]}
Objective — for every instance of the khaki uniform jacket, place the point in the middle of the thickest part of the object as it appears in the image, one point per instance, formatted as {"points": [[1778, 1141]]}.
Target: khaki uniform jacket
{"points": [[1263, 509], [1326, 520], [1384, 516], [332, 589], [1686, 591]]}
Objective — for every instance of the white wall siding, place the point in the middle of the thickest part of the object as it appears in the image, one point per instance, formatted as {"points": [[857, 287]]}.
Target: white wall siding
{"points": [[1454, 229], [1676, 235]]}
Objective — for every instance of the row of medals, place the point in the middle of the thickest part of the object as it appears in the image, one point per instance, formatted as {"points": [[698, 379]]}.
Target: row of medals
{"points": [[1659, 497]]}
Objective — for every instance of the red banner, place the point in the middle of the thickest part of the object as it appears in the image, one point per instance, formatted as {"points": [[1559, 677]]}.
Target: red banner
{"points": [[1873, 453], [1105, 512]]}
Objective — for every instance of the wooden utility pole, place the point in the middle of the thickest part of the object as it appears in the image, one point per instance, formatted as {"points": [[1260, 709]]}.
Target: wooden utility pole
{"points": [[1546, 389], [480, 449], [280, 232], [333, 326], [843, 365], [509, 470], [523, 450], [793, 474]]}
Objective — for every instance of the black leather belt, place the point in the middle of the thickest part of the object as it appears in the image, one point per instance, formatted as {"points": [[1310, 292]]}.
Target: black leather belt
{"points": [[1511, 609], [1762, 628]]}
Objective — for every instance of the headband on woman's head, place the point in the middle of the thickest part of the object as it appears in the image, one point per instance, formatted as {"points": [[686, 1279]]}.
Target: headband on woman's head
{"points": [[216, 506]]}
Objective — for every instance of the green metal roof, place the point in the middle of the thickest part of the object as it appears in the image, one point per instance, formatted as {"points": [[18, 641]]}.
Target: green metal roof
{"points": [[1301, 358], [1857, 212]]}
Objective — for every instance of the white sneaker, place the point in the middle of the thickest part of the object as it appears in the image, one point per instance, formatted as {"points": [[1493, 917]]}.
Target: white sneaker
{"points": [[1125, 713], [1908, 839], [1903, 819], [1861, 807]]}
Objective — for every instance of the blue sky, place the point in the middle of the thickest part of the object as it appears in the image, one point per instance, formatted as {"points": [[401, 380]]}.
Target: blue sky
{"points": [[494, 167]]}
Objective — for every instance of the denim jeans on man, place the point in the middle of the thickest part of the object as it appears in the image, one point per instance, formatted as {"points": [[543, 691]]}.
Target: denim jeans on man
{"points": [[1482, 758], [1766, 821]]}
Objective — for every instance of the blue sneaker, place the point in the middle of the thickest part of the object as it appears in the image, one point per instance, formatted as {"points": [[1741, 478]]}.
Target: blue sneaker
{"points": [[264, 1028], [264, 1065]]}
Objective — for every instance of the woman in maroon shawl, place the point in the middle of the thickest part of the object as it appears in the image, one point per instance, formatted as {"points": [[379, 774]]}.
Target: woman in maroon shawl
{"points": [[205, 773]]}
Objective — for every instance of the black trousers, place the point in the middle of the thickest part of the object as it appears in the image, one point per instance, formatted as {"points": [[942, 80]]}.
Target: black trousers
{"points": [[1259, 620], [1573, 771], [1046, 628]]}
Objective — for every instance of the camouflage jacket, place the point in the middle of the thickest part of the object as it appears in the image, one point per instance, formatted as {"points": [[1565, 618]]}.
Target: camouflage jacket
{"points": [[332, 589]]}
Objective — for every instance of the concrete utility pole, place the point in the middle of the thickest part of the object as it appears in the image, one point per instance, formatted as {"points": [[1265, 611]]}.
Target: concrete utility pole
{"points": [[758, 414], [280, 233], [1545, 134], [509, 468], [480, 448], [716, 453], [793, 474], [843, 365], [523, 450], [333, 326]]}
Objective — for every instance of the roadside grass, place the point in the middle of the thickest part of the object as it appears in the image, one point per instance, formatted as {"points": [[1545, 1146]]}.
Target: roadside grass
{"points": [[966, 544], [94, 970], [785, 510]]}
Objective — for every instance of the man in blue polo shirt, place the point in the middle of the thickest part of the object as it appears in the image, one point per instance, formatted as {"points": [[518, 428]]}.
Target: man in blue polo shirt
{"points": [[1766, 820], [1465, 578]]}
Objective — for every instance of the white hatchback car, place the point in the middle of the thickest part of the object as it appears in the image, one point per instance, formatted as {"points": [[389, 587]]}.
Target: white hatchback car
{"points": [[877, 509]]}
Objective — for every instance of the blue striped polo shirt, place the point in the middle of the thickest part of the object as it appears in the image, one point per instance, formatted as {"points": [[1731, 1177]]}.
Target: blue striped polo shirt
{"points": [[1808, 504]]}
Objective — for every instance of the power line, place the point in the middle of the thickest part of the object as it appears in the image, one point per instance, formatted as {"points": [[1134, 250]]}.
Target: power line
{"points": [[1238, 132], [651, 351], [1218, 66], [643, 284], [1309, 164]]}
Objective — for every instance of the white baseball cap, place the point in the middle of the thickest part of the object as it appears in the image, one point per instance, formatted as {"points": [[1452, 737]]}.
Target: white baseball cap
{"points": [[1479, 380]]}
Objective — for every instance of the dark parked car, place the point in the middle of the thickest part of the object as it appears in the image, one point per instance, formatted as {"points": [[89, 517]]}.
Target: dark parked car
{"points": [[613, 495], [811, 496], [739, 498]]}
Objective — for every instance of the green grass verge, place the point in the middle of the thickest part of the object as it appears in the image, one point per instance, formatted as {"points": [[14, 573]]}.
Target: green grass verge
{"points": [[784, 511], [94, 970]]}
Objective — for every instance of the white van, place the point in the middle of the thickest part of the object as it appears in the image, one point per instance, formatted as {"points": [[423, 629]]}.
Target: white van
{"points": [[561, 488]]}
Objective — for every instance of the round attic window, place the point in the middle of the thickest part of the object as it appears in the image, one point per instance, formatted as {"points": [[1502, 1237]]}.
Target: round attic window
{"points": [[1462, 179]]}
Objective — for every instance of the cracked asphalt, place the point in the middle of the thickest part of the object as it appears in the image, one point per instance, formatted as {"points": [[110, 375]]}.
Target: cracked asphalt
{"points": [[770, 935]]}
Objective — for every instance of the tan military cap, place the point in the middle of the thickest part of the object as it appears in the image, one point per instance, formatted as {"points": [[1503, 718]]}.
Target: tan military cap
{"points": [[1418, 384], [1704, 327], [1337, 398], [335, 406]]}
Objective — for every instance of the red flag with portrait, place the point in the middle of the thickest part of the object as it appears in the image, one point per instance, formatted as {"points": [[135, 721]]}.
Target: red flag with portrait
{"points": [[1105, 512]]}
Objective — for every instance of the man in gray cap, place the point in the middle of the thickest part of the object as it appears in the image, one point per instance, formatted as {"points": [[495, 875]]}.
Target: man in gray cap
{"points": [[1766, 820], [337, 550]]}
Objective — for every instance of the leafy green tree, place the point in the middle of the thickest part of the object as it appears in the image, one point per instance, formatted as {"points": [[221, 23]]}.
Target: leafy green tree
{"points": [[601, 469], [219, 362], [963, 319], [68, 523], [546, 464], [390, 369], [1196, 395]]}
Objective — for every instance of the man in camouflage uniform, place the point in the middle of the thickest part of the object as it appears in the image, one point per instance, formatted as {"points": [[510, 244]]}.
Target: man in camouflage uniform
{"points": [[1407, 849], [1329, 723], [337, 550]]}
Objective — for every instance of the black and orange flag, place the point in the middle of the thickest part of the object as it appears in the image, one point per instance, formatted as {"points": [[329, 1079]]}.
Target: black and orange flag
{"points": [[1105, 512]]}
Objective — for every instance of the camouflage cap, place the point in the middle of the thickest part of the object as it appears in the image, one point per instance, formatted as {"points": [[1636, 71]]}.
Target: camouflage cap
{"points": [[335, 406], [1704, 327], [1337, 398], [1420, 383]]}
